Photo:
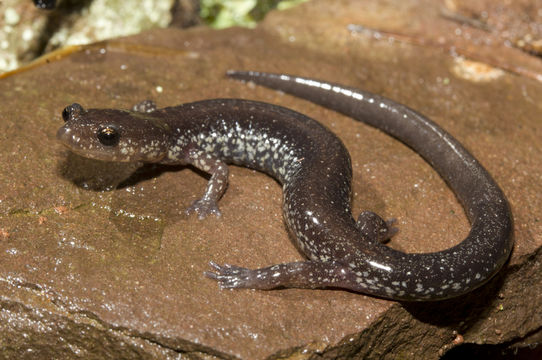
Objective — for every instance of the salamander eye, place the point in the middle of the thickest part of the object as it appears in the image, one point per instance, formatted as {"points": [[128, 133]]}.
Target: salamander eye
{"points": [[71, 111], [108, 136]]}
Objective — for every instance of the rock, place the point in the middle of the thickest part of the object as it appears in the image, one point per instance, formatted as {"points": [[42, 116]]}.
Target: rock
{"points": [[94, 265], [29, 32]]}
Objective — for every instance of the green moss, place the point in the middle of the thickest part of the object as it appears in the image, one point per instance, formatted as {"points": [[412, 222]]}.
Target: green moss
{"points": [[225, 13]]}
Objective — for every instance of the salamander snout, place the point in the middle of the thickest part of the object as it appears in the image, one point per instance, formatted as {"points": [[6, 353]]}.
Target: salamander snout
{"points": [[63, 134]]}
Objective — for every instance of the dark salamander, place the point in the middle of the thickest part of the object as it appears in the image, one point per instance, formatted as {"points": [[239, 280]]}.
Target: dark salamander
{"points": [[314, 169]]}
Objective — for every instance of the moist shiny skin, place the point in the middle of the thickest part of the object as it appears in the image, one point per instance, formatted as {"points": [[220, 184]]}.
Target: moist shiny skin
{"points": [[314, 169]]}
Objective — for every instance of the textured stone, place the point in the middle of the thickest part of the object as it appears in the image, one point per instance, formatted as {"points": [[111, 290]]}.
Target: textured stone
{"points": [[94, 265], [26, 32]]}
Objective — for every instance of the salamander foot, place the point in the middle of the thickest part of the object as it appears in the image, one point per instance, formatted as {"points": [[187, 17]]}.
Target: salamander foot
{"points": [[230, 276], [204, 207]]}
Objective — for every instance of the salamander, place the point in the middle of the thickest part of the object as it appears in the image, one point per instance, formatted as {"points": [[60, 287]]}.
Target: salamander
{"points": [[314, 169]]}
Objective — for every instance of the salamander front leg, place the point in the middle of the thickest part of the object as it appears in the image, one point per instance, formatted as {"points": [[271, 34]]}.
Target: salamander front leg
{"points": [[208, 203], [302, 274]]}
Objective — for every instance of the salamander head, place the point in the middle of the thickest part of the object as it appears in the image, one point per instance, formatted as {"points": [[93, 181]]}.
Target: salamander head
{"points": [[114, 135]]}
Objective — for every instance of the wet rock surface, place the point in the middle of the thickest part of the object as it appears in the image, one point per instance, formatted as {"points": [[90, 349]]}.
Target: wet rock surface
{"points": [[99, 261]]}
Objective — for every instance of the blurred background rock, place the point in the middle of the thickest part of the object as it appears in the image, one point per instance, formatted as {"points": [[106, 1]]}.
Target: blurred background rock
{"points": [[28, 31]]}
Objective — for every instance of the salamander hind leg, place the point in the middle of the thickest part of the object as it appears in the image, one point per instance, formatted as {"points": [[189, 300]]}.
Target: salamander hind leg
{"points": [[374, 227], [303, 274]]}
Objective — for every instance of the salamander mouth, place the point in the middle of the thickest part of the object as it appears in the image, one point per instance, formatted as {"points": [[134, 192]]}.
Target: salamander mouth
{"points": [[70, 140]]}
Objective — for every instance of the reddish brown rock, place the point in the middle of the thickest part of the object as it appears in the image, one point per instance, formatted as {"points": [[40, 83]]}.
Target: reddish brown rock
{"points": [[92, 270]]}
